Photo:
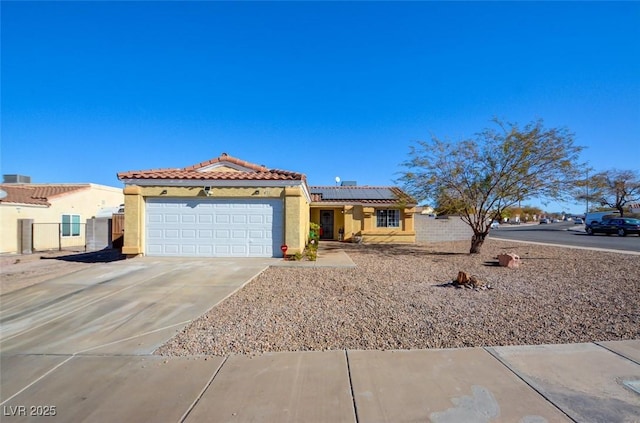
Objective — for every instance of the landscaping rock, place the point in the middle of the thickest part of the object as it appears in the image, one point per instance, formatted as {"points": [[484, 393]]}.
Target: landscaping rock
{"points": [[510, 260]]}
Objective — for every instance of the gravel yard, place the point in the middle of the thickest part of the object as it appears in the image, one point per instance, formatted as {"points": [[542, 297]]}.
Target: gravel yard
{"points": [[399, 298]]}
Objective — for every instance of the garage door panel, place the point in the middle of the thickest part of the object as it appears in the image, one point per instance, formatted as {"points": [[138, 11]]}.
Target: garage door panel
{"points": [[171, 249], [240, 250], [171, 218], [222, 250], [239, 219], [222, 235], [205, 218], [214, 227], [260, 250], [256, 234], [188, 218], [171, 234], [222, 219], [205, 234], [188, 234], [154, 234], [154, 249], [205, 250], [256, 219], [189, 249], [238, 234]]}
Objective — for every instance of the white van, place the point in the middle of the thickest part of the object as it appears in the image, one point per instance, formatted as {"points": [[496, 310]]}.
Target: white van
{"points": [[597, 216]]}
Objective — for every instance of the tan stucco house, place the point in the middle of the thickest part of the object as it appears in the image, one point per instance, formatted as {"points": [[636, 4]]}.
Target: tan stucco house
{"points": [[57, 211], [227, 207], [363, 213]]}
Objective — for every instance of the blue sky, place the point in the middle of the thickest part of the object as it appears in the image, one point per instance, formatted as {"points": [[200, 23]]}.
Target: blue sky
{"points": [[329, 89]]}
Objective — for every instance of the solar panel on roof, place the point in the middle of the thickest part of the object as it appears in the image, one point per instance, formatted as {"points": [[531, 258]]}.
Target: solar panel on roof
{"points": [[329, 193]]}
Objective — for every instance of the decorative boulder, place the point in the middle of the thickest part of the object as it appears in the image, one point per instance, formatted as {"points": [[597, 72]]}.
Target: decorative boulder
{"points": [[509, 260], [462, 278]]}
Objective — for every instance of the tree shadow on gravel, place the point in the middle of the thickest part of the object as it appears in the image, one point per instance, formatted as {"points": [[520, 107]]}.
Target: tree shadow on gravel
{"points": [[396, 250]]}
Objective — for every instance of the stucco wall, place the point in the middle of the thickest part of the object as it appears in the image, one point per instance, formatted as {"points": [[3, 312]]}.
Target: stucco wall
{"points": [[86, 203], [359, 220], [429, 229]]}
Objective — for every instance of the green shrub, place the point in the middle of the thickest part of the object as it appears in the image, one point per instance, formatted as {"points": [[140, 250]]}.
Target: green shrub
{"points": [[312, 255], [314, 233]]}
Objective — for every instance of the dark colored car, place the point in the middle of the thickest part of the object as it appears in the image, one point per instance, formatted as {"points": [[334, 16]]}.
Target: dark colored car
{"points": [[620, 225]]}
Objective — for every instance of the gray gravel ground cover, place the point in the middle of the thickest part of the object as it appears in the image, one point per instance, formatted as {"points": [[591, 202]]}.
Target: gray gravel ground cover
{"points": [[398, 297]]}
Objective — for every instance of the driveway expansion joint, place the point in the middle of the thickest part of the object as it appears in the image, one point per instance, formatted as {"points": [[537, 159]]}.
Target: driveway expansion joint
{"points": [[617, 353], [526, 381], [353, 396], [199, 397]]}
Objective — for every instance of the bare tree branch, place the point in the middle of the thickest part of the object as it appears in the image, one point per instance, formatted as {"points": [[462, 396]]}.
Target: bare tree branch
{"points": [[478, 178]]}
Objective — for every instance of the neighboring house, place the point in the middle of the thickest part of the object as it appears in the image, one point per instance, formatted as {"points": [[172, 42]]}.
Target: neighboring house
{"points": [[227, 207], [58, 212], [363, 213]]}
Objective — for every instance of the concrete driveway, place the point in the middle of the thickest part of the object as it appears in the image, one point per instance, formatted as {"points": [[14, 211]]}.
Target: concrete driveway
{"points": [[75, 348], [126, 307]]}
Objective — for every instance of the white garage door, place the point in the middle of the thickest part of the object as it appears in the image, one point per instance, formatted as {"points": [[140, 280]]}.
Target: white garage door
{"points": [[214, 228]]}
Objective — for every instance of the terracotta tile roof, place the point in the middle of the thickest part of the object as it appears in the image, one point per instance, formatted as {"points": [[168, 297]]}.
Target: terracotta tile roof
{"points": [[37, 194], [360, 195], [225, 158], [198, 172]]}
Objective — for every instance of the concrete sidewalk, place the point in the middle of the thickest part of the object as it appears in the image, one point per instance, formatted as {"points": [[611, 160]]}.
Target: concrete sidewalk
{"points": [[529, 384]]}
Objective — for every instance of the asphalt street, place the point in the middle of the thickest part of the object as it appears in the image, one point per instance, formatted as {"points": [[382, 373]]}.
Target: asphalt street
{"points": [[565, 233]]}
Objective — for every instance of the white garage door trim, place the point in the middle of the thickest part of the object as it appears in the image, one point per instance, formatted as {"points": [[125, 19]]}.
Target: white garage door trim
{"points": [[213, 227]]}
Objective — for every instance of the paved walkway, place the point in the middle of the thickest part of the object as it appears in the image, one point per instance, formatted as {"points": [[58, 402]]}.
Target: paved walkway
{"points": [[530, 384], [329, 255], [86, 356]]}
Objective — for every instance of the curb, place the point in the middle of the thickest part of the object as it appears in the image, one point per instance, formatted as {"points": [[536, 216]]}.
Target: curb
{"points": [[634, 253]]}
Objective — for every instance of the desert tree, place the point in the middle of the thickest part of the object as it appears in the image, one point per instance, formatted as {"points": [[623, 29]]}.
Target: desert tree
{"points": [[497, 168], [611, 188]]}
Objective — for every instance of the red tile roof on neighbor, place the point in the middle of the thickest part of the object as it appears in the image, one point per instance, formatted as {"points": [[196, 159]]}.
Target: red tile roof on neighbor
{"points": [[360, 195], [36, 194], [199, 172]]}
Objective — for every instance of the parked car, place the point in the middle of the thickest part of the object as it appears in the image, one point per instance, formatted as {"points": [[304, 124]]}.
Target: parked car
{"points": [[544, 221], [599, 216], [578, 221], [619, 225]]}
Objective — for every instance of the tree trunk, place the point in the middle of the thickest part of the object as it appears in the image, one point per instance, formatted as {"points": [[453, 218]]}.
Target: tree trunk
{"points": [[476, 242], [621, 210]]}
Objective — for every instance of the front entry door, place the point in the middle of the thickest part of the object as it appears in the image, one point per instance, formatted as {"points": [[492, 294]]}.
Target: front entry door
{"points": [[326, 224]]}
